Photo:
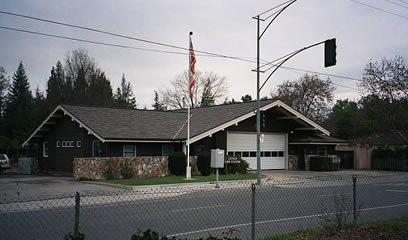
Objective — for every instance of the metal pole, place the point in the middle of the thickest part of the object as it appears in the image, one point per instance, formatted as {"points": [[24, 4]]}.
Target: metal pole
{"points": [[258, 116], [77, 207], [253, 188], [355, 202], [188, 170], [217, 178]]}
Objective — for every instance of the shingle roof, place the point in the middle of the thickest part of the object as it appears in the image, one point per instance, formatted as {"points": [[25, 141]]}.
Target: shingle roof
{"points": [[115, 123]]}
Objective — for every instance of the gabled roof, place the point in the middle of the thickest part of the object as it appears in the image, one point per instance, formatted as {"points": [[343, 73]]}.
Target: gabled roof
{"points": [[123, 125]]}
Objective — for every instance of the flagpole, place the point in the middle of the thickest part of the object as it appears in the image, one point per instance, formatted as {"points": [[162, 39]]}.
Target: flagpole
{"points": [[188, 170]]}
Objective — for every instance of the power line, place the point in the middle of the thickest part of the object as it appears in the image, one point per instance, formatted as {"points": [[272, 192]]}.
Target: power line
{"points": [[117, 35], [380, 9], [274, 7], [396, 4]]}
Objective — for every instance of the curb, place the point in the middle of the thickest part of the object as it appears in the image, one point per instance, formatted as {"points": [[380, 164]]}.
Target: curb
{"points": [[120, 186]]}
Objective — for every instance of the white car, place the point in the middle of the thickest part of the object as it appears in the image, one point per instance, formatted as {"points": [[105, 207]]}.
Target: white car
{"points": [[4, 161]]}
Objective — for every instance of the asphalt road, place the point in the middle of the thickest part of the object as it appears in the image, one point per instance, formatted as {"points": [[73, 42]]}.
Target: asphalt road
{"points": [[279, 209]]}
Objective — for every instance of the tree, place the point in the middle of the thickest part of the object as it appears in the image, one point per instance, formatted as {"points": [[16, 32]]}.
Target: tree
{"points": [[157, 105], [124, 95], [4, 84], [344, 116], [55, 87], [387, 79], [309, 95], [246, 98], [85, 82], [19, 113], [209, 88]]}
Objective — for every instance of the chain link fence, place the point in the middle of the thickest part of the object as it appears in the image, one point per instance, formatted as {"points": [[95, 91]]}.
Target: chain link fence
{"points": [[235, 211]]}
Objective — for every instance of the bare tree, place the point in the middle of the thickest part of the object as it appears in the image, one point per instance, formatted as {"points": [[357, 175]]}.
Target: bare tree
{"points": [[387, 79], [209, 88], [309, 95]]}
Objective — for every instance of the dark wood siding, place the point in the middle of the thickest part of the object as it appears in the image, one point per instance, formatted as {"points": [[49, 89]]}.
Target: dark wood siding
{"points": [[142, 149]]}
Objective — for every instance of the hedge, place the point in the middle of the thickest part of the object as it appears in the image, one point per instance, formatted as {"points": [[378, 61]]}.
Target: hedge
{"points": [[178, 163], [204, 163], [318, 163], [394, 159]]}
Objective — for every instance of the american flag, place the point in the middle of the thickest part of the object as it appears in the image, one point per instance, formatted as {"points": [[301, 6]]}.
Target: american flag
{"points": [[192, 68]]}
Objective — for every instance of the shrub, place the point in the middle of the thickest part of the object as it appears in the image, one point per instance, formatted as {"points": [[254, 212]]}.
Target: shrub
{"points": [[177, 163], [73, 236], [204, 163], [385, 158], [238, 168], [322, 164], [126, 169], [109, 172], [83, 178]]}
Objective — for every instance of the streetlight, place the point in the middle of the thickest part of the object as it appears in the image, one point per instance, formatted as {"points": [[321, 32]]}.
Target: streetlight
{"points": [[330, 60]]}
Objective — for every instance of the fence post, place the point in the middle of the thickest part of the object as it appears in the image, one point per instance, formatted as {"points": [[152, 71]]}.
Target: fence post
{"points": [[253, 188], [77, 206], [355, 202]]}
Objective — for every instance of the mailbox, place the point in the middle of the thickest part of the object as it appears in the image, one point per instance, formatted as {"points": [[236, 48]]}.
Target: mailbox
{"points": [[217, 158]]}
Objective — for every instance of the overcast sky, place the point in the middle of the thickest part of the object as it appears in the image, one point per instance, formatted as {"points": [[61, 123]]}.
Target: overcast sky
{"points": [[219, 26]]}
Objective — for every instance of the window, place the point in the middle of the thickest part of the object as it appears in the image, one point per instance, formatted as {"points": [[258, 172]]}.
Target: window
{"points": [[58, 144], [245, 154], [238, 154], [267, 154], [167, 150], [322, 151], [45, 149], [79, 144], [252, 154], [262, 154], [72, 144], [274, 154], [64, 143], [129, 150], [96, 149], [280, 154], [231, 154]]}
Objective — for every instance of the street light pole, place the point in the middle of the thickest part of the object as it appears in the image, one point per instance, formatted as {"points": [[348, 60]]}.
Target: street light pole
{"points": [[258, 115]]}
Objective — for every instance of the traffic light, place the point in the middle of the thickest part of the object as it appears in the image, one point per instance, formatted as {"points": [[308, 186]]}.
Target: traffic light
{"points": [[330, 53]]}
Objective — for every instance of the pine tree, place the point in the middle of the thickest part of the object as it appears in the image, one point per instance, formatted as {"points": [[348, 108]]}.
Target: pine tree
{"points": [[157, 104], [40, 108], [19, 114], [124, 95], [55, 86]]}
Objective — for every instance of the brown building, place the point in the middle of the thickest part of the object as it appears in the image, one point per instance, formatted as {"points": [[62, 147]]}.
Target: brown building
{"points": [[288, 138]]}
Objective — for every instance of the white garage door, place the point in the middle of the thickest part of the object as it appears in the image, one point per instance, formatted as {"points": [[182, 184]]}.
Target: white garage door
{"points": [[273, 150]]}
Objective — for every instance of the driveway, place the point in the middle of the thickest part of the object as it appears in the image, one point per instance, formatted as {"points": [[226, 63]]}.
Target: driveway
{"points": [[29, 187]]}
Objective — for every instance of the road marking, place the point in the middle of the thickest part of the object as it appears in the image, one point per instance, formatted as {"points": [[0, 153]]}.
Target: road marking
{"points": [[196, 208], [333, 195], [280, 220], [398, 191]]}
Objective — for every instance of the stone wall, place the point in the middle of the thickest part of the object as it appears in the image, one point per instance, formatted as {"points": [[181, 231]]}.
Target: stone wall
{"points": [[293, 162], [146, 166]]}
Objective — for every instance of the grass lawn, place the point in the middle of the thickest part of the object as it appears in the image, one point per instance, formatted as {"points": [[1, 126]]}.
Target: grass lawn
{"points": [[179, 179], [389, 229]]}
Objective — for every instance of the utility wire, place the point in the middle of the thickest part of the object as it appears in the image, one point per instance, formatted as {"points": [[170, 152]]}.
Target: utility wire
{"points": [[274, 7], [119, 35], [396, 4], [380, 9]]}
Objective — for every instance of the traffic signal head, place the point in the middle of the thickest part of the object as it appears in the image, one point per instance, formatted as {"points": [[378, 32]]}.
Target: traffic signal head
{"points": [[330, 53]]}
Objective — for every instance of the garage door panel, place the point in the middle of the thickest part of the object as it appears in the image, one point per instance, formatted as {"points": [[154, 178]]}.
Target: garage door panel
{"points": [[242, 143]]}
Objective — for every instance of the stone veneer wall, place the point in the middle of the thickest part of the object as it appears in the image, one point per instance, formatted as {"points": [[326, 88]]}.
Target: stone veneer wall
{"points": [[146, 166], [293, 162]]}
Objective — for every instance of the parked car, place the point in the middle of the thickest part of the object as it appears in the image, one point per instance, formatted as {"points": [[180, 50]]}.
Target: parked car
{"points": [[4, 162]]}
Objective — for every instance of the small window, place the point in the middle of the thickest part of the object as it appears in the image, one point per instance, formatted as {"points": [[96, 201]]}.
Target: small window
{"points": [[167, 150], [58, 144], [322, 151], [96, 148], [45, 149], [245, 154], [274, 154], [72, 144], [280, 154], [79, 144], [262, 154], [252, 154], [64, 143], [129, 150], [267, 154], [238, 154], [231, 154]]}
